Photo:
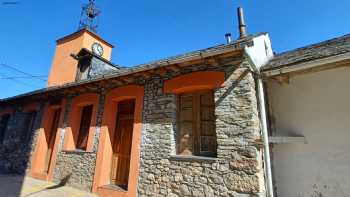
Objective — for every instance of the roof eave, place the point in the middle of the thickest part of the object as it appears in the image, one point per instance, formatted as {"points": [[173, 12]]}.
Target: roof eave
{"points": [[237, 47], [130, 72], [301, 66], [79, 32]]}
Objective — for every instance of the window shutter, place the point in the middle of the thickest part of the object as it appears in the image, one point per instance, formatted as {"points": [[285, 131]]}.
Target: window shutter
{"points": [[84, 127], [196, 120], [207, 138], [185, 117]]}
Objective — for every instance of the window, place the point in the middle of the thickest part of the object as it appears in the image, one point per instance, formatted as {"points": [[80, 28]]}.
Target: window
{"points": [[28, 125], [3, 125], [85, 121], [196, 120]]}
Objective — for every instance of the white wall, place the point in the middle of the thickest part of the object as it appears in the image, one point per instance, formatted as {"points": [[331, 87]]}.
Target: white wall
{"points": [[316, 106], [261, 51]]}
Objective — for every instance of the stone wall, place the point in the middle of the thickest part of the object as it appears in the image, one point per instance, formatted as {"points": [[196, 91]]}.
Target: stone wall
{"points": [[237, 170], [14, 152], [78, 167]]}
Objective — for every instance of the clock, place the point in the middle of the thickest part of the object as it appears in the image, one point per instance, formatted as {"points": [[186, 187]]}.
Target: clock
{"points": [[97, 49]]}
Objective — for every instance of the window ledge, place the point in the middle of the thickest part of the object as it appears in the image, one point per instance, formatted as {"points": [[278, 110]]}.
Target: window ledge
{"points": [[77, 151], [193, 158], [113, 187]]}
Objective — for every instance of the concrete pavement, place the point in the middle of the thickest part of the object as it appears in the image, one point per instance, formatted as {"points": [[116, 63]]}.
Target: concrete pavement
{"points": [[19, 186]]}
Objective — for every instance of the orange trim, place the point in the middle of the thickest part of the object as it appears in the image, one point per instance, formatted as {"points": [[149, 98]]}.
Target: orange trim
{"points": [[31, 107], [195, 81], [104, 153], [7, 110], [72, 131], [38, 158]]}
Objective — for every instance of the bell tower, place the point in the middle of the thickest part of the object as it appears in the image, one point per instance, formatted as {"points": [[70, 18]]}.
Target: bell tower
{"points": [[64, 67]]}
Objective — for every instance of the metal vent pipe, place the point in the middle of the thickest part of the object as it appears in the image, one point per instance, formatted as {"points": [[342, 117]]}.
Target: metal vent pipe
{"points": [[242, 26]]}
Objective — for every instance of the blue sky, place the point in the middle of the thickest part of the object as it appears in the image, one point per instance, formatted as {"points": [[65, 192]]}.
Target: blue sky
{"points": [[146, 30]]}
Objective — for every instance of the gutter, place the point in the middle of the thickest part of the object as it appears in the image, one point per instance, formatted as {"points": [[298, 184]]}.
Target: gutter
{"points": [[263, 120]]}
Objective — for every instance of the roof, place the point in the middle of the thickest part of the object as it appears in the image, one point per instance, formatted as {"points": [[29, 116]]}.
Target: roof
{"points": [[320, 50], [198, 54], [85, 51], [80, 32]]}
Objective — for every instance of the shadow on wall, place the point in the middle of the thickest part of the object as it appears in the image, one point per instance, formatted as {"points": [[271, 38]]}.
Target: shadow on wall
{"points": [[22, 126], [19, 127], [12, 186], [16, 136]]}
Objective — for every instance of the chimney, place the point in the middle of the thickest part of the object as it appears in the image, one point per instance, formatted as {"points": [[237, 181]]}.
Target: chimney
{"points": [[228, 38], [242, 26]]}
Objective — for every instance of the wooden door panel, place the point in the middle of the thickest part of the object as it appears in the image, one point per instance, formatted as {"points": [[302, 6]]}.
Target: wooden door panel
{"points": [[51, 138], [122, 144]]}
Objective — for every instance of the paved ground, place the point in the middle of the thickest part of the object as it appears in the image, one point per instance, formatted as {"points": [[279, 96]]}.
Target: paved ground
{"points": [[19, 186]]}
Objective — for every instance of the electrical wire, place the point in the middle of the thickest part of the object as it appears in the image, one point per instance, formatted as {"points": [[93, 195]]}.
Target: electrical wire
{"points": [[19, 77], [19, 82], [20, 71]]}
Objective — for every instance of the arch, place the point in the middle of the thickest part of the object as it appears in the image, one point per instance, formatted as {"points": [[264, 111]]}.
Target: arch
{"points": [[104, 153], [72, 129], [37, 169], [195, 81]]}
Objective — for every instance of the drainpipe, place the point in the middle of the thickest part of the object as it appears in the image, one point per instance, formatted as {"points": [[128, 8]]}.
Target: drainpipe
{"points": [[263, 120]]}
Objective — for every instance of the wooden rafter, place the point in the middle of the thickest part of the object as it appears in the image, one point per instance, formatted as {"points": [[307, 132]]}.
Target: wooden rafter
{"points": [[282, 79]]}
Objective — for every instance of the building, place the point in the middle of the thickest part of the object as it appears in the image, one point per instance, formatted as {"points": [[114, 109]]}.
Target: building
{"points": [[307, 96], [190, 125], [156, 129]]}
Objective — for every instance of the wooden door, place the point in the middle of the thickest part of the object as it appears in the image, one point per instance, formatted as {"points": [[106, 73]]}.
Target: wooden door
{"points": [[51, 137], [122, 143]]}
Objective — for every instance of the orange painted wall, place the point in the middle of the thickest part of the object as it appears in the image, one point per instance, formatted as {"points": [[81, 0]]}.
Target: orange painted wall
{"points": [[31, 107], [104, 153], [41, 147], [195, 81], [72, 129], [64, 67], [6, 111]]}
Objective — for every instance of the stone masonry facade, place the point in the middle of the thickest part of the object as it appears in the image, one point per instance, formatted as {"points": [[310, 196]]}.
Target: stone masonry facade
{"points": [[14, 151], [236, 171]]}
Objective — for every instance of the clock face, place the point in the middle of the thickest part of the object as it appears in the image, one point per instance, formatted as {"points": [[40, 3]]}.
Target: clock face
{"points": [[97, 49]]}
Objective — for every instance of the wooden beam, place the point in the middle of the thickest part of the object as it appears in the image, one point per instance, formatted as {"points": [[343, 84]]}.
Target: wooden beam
{"points": [[212, 62], [117, 81], [161, 71], [102, 82], [147, 75], [282, 79], [91, 86], [174, 68], [127, 80], [68, 91]]}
